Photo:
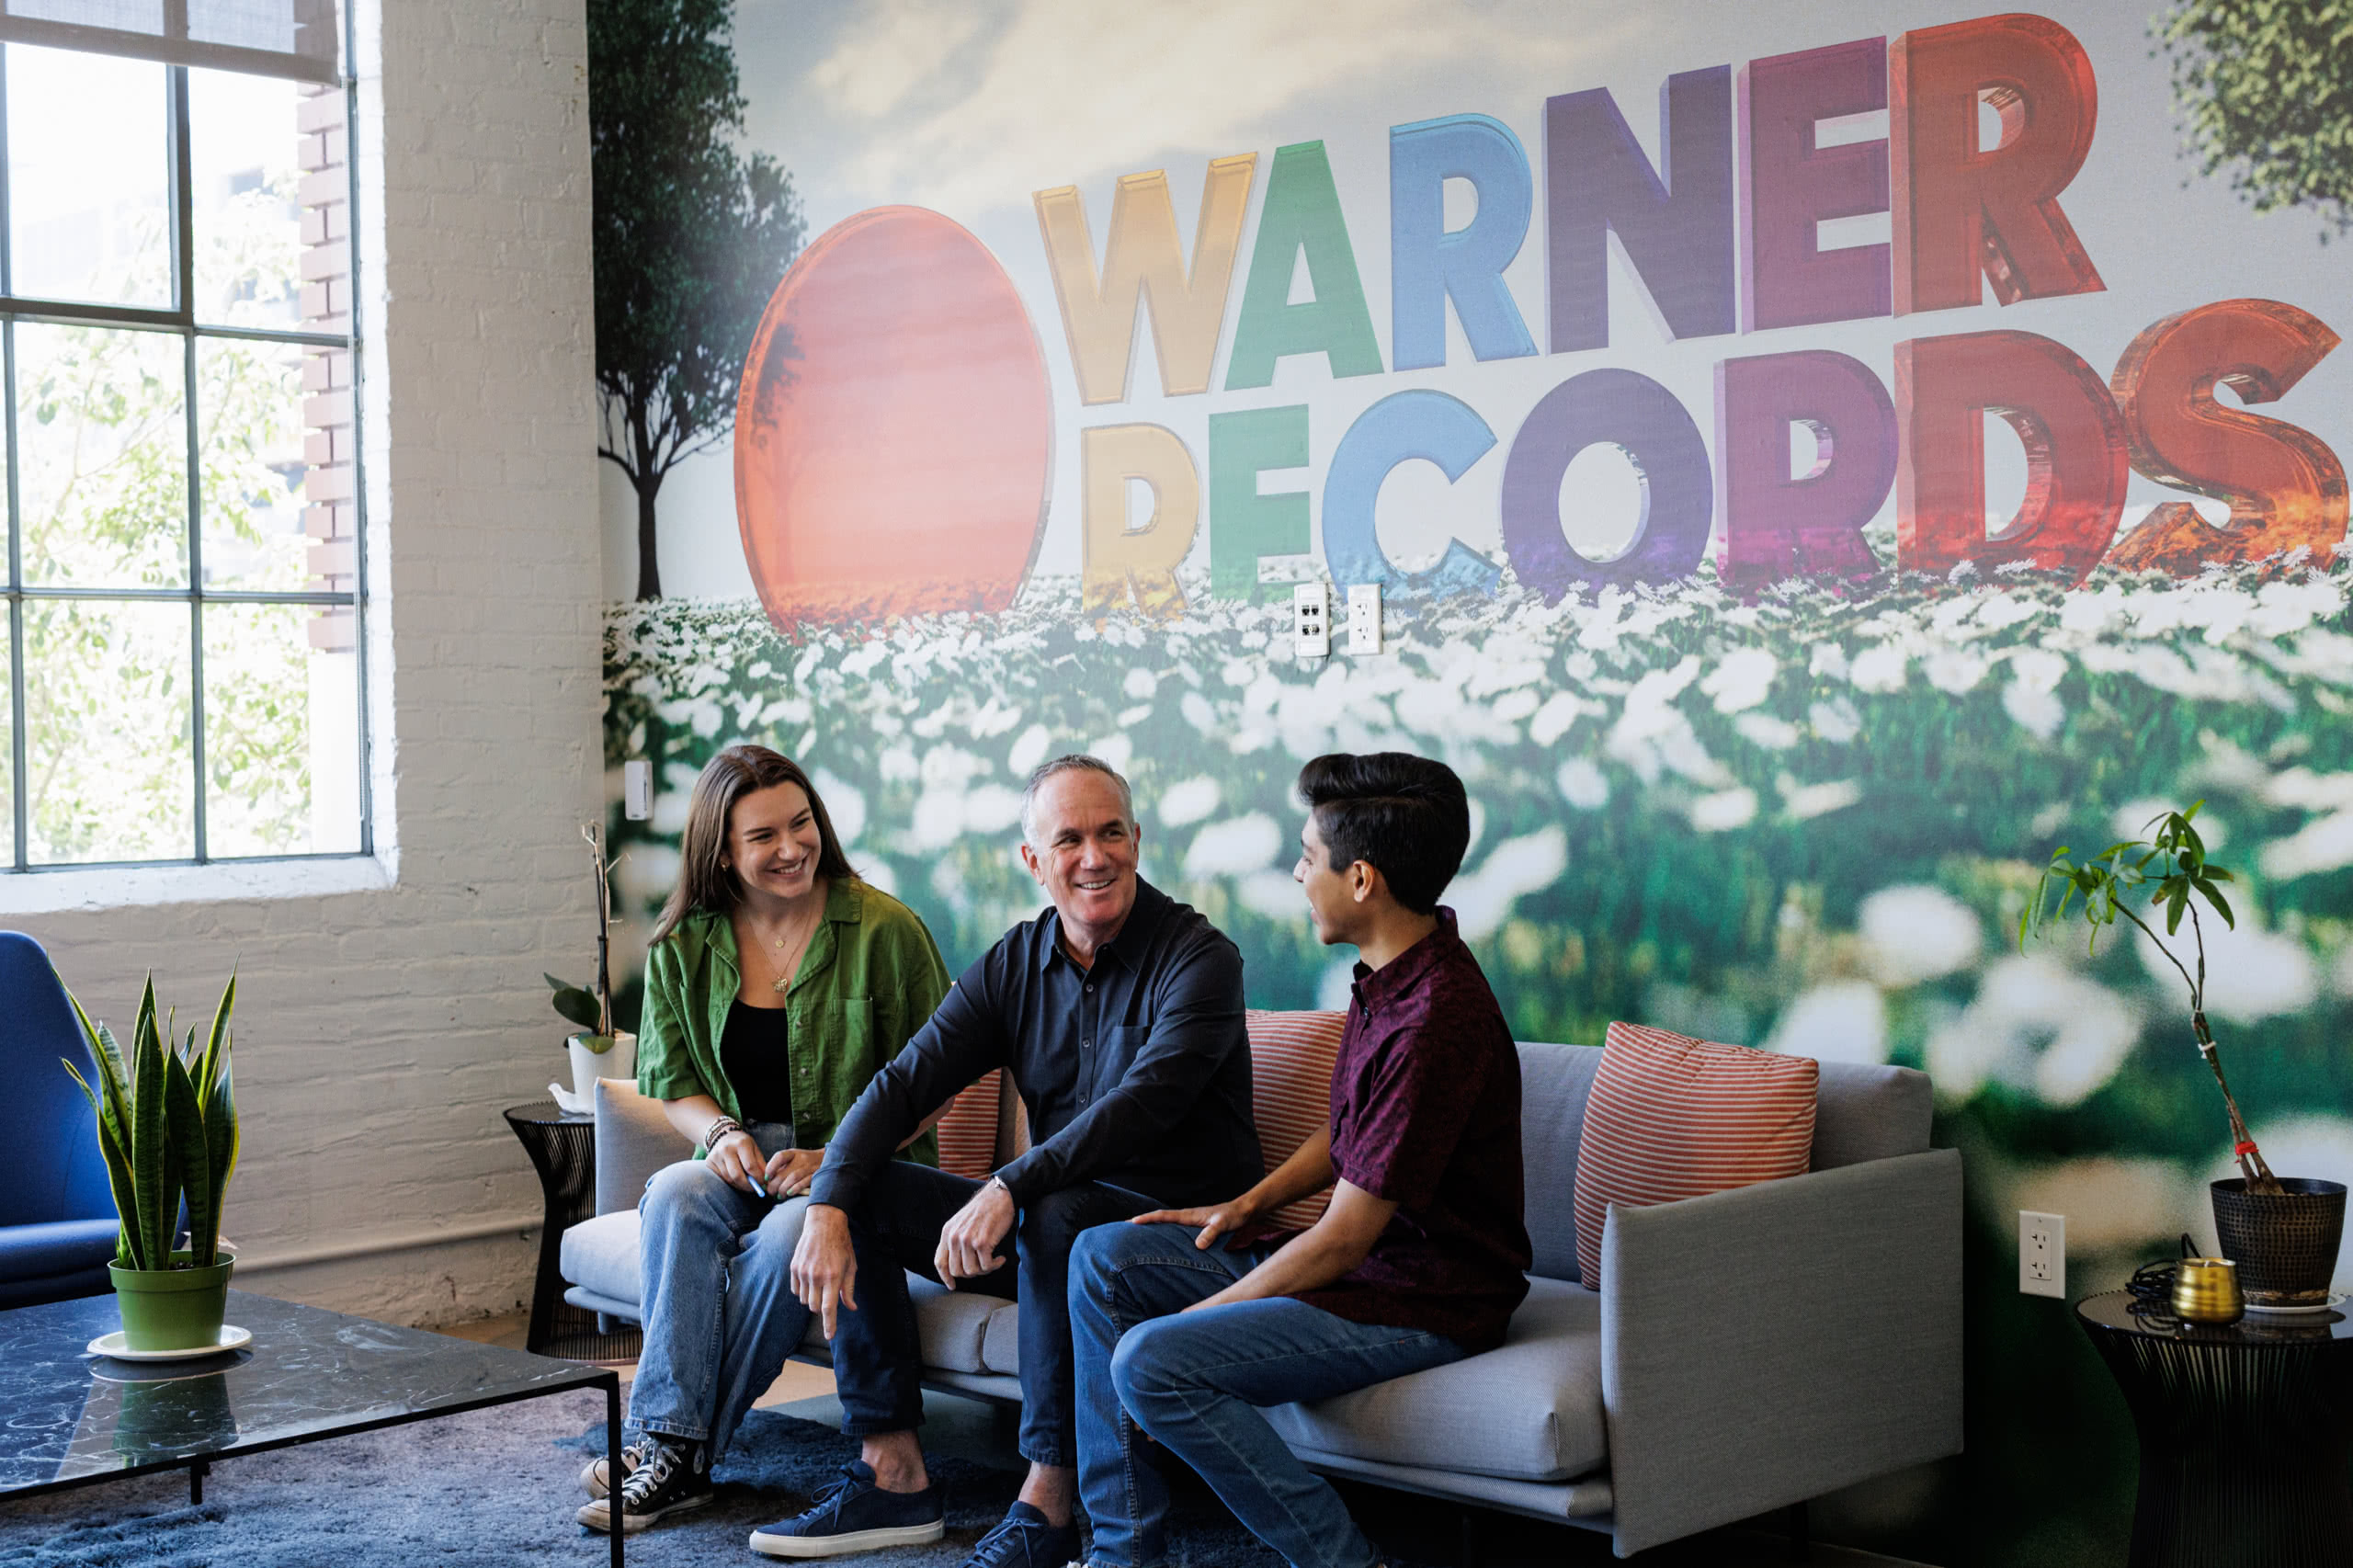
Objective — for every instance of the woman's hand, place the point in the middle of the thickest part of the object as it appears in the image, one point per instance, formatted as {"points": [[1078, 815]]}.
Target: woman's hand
{"points": [[737, 1161], [789, 1171], [1235, 1216]]}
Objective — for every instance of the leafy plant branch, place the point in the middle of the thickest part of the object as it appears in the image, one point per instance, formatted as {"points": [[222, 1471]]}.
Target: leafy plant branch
{"points": [[2172, 867]]}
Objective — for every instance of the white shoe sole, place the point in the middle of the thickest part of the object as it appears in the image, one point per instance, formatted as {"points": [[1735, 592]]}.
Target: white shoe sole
{"points": [[597, 1516], [857, 1541]]}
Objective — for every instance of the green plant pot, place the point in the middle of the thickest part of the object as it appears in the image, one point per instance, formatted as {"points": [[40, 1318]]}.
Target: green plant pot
{"points": [[171, 1309]]}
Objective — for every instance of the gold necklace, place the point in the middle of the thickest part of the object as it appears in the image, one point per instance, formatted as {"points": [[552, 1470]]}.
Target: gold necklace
{"points": [[783, 981]]}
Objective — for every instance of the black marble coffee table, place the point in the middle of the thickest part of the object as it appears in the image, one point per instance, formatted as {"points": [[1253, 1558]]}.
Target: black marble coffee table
{"points": [[68, 1418]]}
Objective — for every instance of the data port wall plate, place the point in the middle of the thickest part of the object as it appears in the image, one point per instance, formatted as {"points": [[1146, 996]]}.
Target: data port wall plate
{"points": [[637, 789], [1364, 619], [1311, 619], [2042, 1253]]}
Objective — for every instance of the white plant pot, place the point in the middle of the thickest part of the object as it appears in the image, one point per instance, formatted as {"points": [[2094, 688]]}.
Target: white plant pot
{"points": [[616, 1061]]}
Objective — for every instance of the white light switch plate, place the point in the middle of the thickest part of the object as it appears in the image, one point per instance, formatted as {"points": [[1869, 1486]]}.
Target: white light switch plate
{"points": [[2042, 1253], [1311, 619], [1364, 619], [637, 789]]}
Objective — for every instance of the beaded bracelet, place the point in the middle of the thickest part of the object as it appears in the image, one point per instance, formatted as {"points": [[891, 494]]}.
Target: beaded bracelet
{"points": [[718, 1130]]}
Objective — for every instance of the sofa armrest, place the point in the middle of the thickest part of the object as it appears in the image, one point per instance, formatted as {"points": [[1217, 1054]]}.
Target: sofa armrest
{"points": [[633, 1141], [1763, 1345]]}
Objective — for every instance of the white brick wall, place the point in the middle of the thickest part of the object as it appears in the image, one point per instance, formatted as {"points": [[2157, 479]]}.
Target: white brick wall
{"points": [[383, 1028]]}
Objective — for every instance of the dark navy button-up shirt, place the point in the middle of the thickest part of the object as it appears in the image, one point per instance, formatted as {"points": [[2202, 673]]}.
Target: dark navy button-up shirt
{"points": [[1135, 1072]]}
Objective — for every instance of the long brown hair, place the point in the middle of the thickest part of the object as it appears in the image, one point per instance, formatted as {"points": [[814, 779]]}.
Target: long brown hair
{"points": [[704, 880]]}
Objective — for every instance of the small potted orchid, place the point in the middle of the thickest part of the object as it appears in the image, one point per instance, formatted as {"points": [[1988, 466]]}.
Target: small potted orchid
{"points": [[601, 1049]]}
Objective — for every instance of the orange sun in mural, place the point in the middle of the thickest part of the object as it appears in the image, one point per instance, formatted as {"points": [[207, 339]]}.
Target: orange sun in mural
{"points": [[893, 436]]}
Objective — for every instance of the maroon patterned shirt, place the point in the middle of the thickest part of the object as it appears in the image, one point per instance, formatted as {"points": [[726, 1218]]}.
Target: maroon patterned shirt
{"points": [[1426, 1111]]}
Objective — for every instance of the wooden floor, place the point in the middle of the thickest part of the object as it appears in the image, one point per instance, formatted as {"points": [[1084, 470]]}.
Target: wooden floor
{"points": [[1429, 1531]]}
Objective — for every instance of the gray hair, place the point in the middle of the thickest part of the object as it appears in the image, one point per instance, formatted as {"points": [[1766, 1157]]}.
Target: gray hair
{"points": [[1074, 762]]}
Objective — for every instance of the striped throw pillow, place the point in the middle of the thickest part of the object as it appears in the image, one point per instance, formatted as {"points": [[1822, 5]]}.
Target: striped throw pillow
{"points": [[1670, 1117], [968, 1132], [1290, 1093]]}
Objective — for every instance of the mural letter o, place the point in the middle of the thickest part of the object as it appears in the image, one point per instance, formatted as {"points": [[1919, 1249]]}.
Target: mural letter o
{"points": [[893, 433], [1644, 420]]}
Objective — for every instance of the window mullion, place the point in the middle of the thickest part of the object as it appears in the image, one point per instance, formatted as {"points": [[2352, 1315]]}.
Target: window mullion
{"points": [[184, 283], [20, 806]]}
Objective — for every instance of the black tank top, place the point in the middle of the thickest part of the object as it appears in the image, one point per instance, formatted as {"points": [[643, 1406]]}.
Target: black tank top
{"points": [[752, 1052]]}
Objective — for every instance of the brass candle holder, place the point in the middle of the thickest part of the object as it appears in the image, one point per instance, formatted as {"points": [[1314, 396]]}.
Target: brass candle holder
{"points": [[2206, 1291]]}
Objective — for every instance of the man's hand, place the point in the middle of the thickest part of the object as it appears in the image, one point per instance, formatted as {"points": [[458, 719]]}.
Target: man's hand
{"points": [[967, 1242], [824, 1269], [736, 1160], [789, 1171], [1235, 1216]]}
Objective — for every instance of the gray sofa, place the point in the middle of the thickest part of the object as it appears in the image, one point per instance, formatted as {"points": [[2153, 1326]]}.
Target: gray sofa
{"points": [[1747, 1350]]}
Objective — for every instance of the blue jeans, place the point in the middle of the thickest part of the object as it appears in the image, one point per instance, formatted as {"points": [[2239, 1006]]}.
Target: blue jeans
{"points": [[878, 1354], [1194, 1382], [721, 1317]]}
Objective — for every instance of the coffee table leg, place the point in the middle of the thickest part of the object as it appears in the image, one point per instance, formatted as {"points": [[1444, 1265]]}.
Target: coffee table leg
{"points": [[613, 1454], [196, 1474]]}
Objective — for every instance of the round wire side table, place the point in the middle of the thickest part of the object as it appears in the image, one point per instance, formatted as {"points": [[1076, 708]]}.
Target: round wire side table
{"points": [[564, 1151], [2245, 1434]]}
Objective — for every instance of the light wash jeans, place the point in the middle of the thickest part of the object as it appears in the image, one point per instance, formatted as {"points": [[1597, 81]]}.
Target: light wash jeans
{"points": [[720, 1313], [1196, 1382]]}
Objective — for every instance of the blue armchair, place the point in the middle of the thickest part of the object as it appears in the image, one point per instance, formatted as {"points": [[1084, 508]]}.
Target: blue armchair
{"points": [[57, 1218]]}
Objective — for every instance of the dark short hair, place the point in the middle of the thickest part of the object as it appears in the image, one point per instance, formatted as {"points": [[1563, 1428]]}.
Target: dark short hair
{"points": [[704, 880], [1406, 816]]}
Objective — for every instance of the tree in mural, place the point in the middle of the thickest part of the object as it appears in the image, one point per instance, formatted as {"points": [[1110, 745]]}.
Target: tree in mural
{"points": [[690, 237], [2266, 88]]}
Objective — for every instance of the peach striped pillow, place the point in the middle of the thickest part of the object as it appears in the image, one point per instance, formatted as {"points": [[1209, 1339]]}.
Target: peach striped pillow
{"points": [[1290, 1094], [1670, 1117], [968, 1132]]}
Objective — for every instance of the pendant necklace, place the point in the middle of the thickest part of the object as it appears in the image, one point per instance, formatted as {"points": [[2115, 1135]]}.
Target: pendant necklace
{"points": [[783, 981]]}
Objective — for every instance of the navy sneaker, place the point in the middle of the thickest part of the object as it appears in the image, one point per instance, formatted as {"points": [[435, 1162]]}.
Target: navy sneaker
{"points": [[854, 1514], [1024, 1539]]}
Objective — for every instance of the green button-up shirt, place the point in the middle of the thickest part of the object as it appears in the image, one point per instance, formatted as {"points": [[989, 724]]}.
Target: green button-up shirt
{"points": [[870, 978]]}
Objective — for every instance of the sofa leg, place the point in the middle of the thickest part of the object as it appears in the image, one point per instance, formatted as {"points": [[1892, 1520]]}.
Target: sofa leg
{"points": [[1470, 1554], [1800, 1530]]}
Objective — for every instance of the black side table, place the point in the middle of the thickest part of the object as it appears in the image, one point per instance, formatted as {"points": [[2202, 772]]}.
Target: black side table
{"points": [[564, 1151], [2246, 1431]]}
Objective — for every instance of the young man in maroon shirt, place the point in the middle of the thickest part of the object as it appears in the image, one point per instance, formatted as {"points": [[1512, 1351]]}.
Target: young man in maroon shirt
{"points": [[1184, 1325]]}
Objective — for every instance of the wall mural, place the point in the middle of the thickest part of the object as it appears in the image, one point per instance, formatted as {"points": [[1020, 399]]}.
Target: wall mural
{"points": [[1800, 506]]}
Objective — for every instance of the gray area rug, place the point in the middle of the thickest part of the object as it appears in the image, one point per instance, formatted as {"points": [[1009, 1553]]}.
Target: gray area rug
{"points": [[496, 1488]]}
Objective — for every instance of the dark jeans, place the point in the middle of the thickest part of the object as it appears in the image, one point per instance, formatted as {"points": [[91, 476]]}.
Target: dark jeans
{"points": [[877, 1359]]}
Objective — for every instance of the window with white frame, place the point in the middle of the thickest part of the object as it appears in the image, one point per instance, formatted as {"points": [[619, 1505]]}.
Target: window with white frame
{"points": [[183, 673]]}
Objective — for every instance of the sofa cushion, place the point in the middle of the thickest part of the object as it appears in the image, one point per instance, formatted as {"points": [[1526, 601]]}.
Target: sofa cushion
{"points": [[600, 1254], [1290, 1094], [1672, 1118], [1001, 1346], [1865, 1111], [1529, 1411], [968, 1132], [1553, 1080]]}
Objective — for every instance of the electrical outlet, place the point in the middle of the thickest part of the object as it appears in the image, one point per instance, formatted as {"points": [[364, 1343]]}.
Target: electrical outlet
{"points": [[2042, 1253], [1311, 619], [637, 789], [1364, 619]]}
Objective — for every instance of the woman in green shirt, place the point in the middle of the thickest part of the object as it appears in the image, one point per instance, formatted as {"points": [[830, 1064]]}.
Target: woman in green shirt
{"points": [[777, 983]]}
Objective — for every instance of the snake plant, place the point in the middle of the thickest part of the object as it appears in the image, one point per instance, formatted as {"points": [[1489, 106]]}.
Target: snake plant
{"points": [[167, 1127]]}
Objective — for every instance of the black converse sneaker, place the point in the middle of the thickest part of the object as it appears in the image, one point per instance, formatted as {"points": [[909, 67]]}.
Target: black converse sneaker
{"points": [[595, 1476], [665, 1479]]}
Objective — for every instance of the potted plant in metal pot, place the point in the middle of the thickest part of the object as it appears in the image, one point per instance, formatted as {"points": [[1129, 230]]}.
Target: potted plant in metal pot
{"points": [[602, 1048], [167, 1129], [2282, 1233]]}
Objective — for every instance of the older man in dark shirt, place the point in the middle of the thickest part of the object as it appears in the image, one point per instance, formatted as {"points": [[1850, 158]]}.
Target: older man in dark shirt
{"points": [[1421, 1257], [1120, 1013]]}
